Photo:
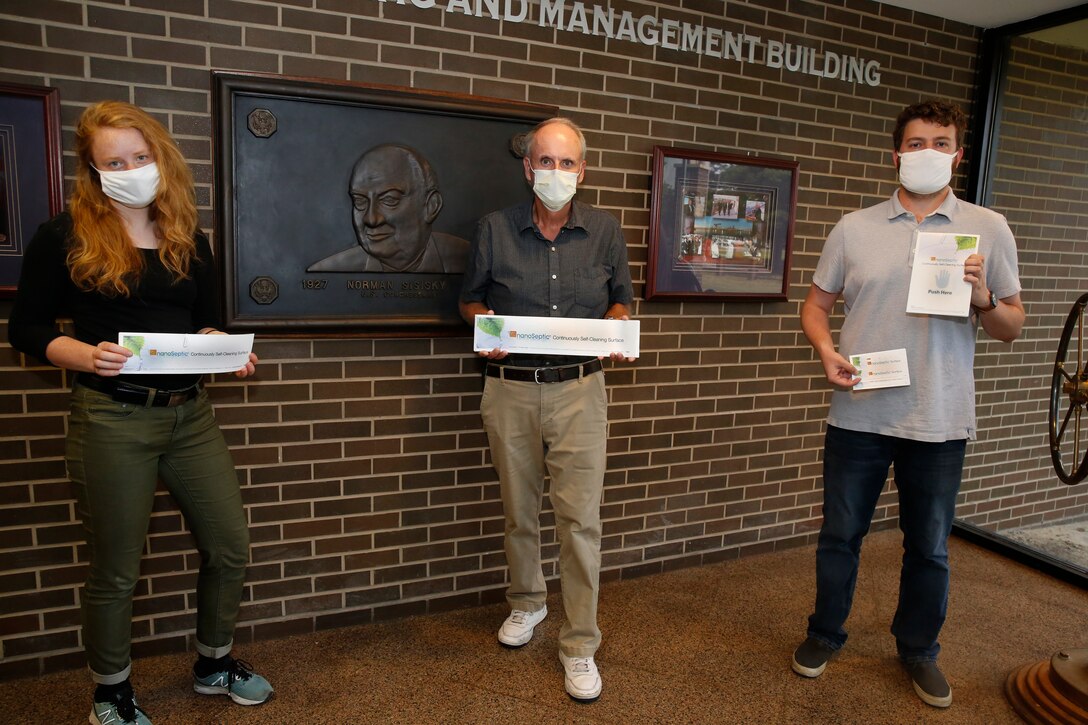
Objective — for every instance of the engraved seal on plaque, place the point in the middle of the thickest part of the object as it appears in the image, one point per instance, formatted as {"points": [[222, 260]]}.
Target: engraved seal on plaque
{"points": [[262, 122], [264, 290]]}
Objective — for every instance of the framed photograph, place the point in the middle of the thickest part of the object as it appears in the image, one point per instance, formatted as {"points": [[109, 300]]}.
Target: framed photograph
{"points": [[31, 175], [721, 226], [349, 209]]}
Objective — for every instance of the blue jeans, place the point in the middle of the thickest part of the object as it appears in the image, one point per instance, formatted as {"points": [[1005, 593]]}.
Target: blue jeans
{"points": [[927, 476]]}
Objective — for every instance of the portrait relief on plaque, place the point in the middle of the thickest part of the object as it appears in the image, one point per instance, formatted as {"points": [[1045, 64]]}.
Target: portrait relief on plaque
{"points": [[395, 200], [347, 208]]}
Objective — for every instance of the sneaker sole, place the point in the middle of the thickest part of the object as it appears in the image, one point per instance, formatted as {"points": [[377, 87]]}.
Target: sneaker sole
{"points": [[930, 699], [206, 690], [807, 671], [515, 643], [584, 700], [519, 642]]}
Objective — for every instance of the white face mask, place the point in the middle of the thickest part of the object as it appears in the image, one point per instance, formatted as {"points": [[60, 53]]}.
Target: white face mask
{"points": [[926, 171], [134, 188], [554, 187]]}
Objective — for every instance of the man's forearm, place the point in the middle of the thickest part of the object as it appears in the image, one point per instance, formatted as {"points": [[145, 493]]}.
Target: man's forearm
{"points": [[1005, 322], [816, 324], [469, 310]]}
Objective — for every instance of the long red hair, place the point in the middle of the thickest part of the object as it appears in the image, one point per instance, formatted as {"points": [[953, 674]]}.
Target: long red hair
{"points": [[102, 257]]}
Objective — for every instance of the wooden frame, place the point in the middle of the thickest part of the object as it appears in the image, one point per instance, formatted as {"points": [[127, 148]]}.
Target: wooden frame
{"points": [[31, 173], [721, 226], [287, 151]]}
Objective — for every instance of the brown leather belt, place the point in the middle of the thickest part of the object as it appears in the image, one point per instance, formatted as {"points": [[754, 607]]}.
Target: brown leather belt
{"points": [[544, 375], [124, 392]]}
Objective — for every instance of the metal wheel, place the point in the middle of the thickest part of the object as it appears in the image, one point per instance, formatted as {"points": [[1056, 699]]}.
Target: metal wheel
{"points": [[1069, 400]]}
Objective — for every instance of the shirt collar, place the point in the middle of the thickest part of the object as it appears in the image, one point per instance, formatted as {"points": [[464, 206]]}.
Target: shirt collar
{"points": [[946, 209], [524, 216]]}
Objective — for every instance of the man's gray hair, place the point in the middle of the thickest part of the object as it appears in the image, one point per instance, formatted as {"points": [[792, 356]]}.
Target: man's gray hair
{"points": [[522, 144]]}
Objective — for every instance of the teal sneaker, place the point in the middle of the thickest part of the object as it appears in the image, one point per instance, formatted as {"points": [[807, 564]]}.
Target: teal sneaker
{"points": [[123, 709], [238, 680]]}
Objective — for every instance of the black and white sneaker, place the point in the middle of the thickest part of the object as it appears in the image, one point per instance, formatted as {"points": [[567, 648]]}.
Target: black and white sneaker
{"points": [[121, 709], [930, 684], [810, 659]]}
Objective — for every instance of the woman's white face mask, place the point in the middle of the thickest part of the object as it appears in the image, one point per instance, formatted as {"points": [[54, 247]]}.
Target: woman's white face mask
{"points": [[554, 188], [926, 171], [135, 188]]}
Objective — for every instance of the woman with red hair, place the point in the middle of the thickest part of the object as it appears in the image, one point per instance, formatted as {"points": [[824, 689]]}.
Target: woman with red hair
{"points": [[128, 256]]}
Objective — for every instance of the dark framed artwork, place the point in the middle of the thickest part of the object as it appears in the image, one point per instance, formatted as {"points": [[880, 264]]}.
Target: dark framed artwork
{"points": [[31, 174], [721, 226], [348, 209]]}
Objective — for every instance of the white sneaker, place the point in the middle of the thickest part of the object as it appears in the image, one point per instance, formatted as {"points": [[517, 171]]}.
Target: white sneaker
{"points": [[583, 680], [518, 627]]}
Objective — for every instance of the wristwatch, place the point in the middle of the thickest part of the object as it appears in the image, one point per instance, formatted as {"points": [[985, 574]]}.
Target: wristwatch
{"points": [[993, 304]]}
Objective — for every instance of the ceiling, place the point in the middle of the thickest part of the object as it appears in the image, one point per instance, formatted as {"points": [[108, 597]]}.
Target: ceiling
{"points": [[985, 13]]}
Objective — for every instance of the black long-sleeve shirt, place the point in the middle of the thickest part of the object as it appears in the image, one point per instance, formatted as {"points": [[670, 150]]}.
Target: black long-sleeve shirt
{"points": [[156, 303]]}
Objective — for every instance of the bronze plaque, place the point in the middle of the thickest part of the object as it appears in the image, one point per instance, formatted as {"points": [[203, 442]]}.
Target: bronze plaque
{"points": [[347, 208]]}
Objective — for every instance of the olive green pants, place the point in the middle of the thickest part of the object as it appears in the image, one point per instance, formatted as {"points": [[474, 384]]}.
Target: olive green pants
{"points": [[115, 454], [557, 430]]}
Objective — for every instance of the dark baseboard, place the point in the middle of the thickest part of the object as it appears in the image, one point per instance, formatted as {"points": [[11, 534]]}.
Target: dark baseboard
{"points": [[1025, 555]]}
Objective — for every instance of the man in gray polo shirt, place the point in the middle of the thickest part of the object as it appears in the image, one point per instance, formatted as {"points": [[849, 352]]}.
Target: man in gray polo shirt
{"points": [[550, 257], [921, 429]]}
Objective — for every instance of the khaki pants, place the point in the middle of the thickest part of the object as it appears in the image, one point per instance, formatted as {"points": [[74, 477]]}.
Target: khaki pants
{"points": [[559, 430]]}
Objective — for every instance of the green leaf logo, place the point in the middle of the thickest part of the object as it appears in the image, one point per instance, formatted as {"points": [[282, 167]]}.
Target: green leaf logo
{"points": [[490, 325], [135, 343], [965, 242]]}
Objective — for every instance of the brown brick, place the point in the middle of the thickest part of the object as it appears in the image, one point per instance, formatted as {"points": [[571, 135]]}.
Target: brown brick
{"points": [[170, 52], [314, 68], [385, 32], [244, 60], [278, 40], [244, 12], [317, 22], [128, 72], [126, 21], [355, 50], [82, 40], [51, 10]]}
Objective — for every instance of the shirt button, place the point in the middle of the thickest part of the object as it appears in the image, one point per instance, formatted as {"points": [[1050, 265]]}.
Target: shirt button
{"points": [[555, 307], [553, 249], [553, 276]]}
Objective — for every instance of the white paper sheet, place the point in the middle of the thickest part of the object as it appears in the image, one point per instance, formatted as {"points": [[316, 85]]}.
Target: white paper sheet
{"points": [[166, 353], [884, 369], [556, 335], [936, 280]]}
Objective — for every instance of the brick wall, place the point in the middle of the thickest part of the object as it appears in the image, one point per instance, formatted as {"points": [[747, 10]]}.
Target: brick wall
{"points": [[364, 466]]}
